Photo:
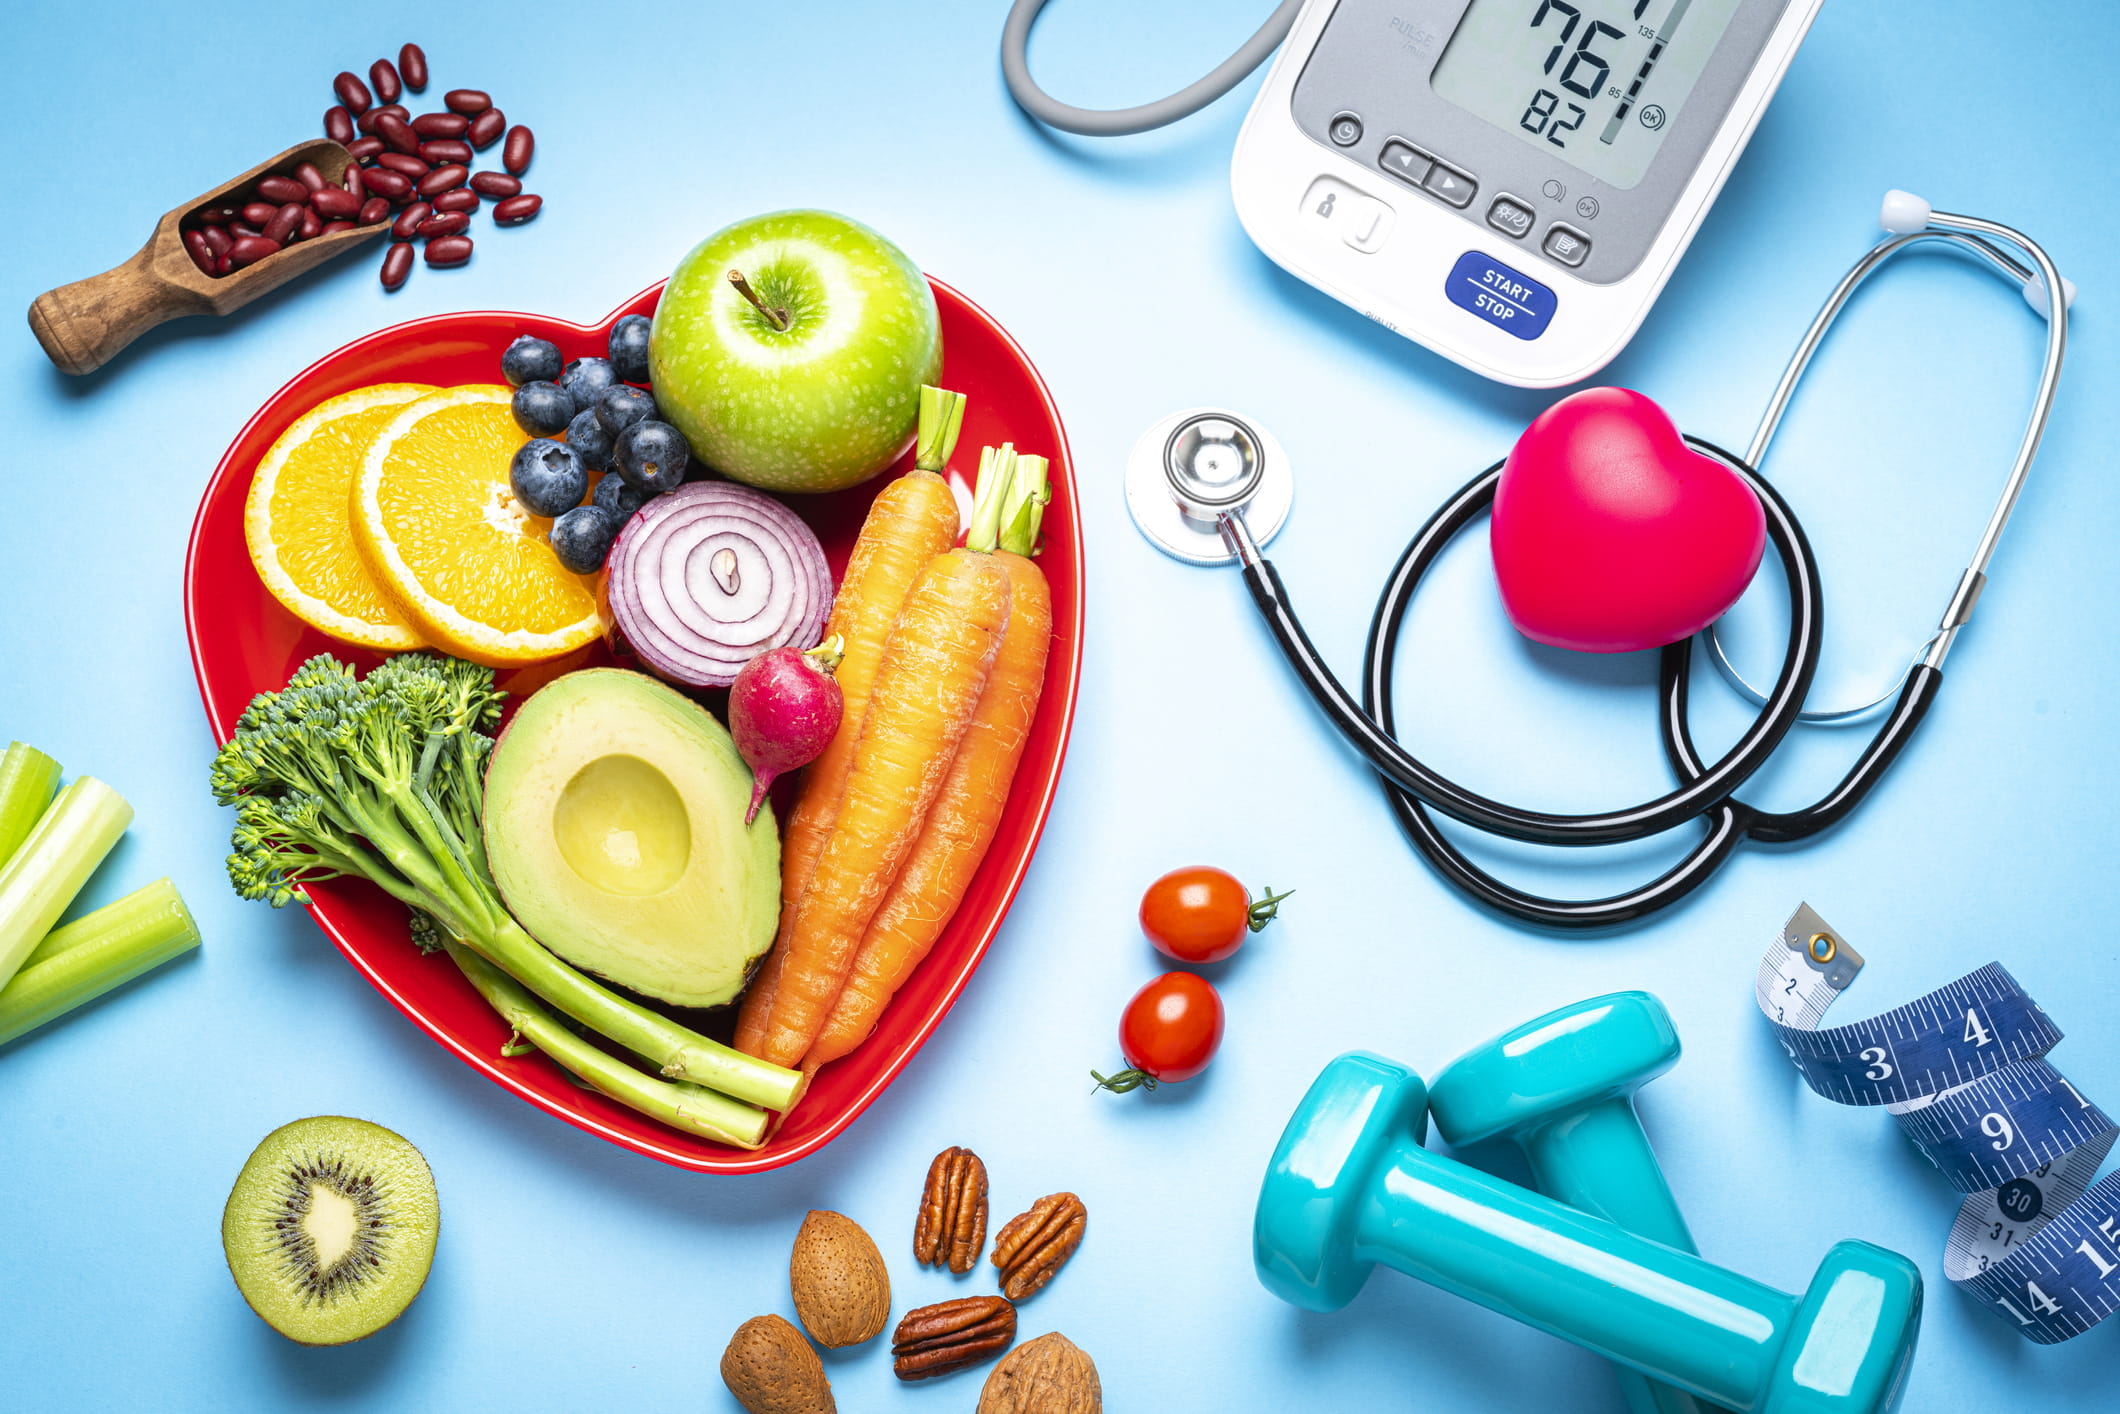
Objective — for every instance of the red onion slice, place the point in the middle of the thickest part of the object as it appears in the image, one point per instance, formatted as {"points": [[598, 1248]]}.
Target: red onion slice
{"points": [[706, 578]]}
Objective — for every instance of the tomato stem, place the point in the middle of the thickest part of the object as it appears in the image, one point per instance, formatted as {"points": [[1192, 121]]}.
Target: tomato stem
{"points": [[1124, 1081], [1265, 910]]}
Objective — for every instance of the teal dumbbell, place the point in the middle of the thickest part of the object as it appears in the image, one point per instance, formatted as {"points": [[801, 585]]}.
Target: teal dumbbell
{"points": [[1351, 1186], [1562, 1087]]}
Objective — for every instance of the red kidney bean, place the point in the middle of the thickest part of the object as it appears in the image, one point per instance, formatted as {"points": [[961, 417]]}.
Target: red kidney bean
{"points": [[403, 164], [201, 253], [217, 239], [338, 123], [335, 204], [284, 223], [364, 148], [440, 124], [240, 229], [257, 213], [281, 190], [355, 187], [412, 63], [444, 223], [445, 150], [449, 250], [312, 224], [495, 184], [251, 249], [457, 199], [486, 127], [384, 75], [515, 153], [374, 209], [399, 134], [222, 265], [218, 215], [307, 174], [410, 220], [467, 101], [384, 182], [443, 178], [368, 121], [332, 228], [351, 91], [516, 210], [397, 262]]}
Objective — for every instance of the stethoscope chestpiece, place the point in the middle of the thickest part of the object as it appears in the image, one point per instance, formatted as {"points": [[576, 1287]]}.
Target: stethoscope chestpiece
{"points": [[1196, 466]]}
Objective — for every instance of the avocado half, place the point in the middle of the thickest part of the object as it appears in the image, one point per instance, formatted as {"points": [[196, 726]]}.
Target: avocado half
{"points": [[614, 827]]}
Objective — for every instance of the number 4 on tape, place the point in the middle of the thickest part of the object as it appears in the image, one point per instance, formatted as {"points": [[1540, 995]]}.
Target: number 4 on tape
{"points": [[1963, 1070]]}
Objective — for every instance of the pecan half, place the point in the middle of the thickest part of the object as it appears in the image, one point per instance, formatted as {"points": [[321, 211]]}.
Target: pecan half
{"points": [[950, 1335], [1038, 1243], [952, 1224]]}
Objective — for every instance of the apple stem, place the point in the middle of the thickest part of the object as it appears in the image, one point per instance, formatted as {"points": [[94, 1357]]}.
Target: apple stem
{"points": [[743, 287]]}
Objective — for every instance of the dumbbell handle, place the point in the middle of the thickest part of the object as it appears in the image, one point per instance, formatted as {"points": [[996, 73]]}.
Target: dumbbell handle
{"points": [[1662, 1311]]}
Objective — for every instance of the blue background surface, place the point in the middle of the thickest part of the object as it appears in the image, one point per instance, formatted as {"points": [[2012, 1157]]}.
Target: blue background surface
{"points": [[572, 1274]]}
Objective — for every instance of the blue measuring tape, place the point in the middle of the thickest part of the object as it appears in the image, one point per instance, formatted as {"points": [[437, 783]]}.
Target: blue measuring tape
{"points": [[1964, 1071]]}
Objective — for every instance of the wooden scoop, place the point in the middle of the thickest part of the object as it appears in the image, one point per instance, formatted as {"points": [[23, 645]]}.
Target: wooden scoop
{"points": [[84, 325]]}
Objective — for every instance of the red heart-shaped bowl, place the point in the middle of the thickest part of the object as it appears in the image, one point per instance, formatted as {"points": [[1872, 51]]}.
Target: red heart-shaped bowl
{"points": [[243, 643]]}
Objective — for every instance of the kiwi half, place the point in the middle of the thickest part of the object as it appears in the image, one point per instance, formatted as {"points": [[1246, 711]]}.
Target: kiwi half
{"points": [[330, 1228]]}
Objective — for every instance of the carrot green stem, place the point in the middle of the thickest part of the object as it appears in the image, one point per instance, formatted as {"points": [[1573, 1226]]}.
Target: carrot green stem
{"points": [[941, 419], [1023, 508], [691, 1108], [95, 953], [27, 780], [62, 850], [997, 469]]}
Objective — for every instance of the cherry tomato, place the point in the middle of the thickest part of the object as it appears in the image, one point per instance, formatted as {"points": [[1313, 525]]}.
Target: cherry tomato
{"points": [[1170, 1031], [1201, 914]]}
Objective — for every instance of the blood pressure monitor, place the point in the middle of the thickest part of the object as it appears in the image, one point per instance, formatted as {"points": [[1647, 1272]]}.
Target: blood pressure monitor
{"points": [[1509, 182]]}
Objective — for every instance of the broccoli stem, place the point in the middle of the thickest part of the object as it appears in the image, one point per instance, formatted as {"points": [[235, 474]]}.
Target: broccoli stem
{"points": [[95, 953], [62, 850], [684, 1106], [27, 780], [679, 1052]]}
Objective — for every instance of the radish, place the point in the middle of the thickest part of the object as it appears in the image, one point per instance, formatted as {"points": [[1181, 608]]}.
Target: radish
{"points": [[784, 709]]}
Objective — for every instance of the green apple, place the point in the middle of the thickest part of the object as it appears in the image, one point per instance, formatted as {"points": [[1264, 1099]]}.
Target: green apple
{"points": [[790, 350]]}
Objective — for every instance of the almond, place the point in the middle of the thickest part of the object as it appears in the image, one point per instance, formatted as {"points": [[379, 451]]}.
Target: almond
{"points": [[1049, 1375], [771, 1369], [842, 1291]]}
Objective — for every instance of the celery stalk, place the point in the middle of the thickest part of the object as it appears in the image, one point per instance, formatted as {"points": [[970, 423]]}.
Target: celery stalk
{"points": [[95, 953], [27, 779], [680, 1104], [42, 878]]}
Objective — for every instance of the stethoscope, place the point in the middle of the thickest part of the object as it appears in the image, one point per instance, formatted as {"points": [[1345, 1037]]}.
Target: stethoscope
{"points": [[1209, 487]]}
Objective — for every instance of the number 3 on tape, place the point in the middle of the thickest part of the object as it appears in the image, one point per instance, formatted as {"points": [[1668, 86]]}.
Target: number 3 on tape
{"points": [[1963, 1070]]}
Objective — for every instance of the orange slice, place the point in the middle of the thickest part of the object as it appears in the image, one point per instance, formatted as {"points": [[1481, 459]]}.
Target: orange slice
{"points": [[436, 521], [295, 519]]}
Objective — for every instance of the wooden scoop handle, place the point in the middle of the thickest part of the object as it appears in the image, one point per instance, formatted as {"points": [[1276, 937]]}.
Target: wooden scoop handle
{"points": [[84, 325]]}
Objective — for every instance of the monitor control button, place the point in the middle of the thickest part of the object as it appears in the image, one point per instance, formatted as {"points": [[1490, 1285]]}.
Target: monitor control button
{"points": [[1569, 248], [1405, 161], [1510, 216], [1450, 185], [1346, 129], [1360, 220]]}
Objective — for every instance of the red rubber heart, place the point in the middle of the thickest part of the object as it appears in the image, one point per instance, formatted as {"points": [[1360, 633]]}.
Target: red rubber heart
{"points": [[1611, 534]]}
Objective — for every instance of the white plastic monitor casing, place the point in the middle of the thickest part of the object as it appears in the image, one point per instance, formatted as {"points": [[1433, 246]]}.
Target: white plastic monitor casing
{"points": [[1400, 284]]}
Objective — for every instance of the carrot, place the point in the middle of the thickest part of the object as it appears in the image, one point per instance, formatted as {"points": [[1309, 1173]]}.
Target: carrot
{"points": [[1012, 493], [927, 687], [911, 521]]}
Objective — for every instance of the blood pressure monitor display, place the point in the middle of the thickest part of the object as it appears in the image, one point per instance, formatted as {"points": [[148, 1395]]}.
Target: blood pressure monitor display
{"points": [[1596, 83]]}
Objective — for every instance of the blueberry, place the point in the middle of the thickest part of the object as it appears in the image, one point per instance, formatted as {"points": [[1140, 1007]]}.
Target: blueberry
{"points": [[585, 378], [629, 348], [619, 407], [618, 500], [589, 440], [547, 477], [542, 409], [530, 360], [582, 538], [651, 456]]}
